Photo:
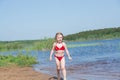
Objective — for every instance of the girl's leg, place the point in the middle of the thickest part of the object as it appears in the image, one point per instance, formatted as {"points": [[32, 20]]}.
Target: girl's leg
{"points": [[63, 68], [57, 68]]}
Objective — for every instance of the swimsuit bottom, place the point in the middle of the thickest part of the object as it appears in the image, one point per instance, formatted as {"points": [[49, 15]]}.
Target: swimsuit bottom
{"points": [[59, 58]]}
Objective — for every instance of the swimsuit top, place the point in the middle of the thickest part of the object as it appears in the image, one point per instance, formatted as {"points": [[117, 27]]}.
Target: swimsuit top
{"points": [[61, 48]]}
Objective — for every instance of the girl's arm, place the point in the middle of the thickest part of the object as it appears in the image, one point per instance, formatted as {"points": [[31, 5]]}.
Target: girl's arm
{"points": [[52, 51], [67, 52]]}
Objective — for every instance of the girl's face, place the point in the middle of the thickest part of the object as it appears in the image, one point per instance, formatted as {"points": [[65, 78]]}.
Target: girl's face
{"points": [[59, 38]]}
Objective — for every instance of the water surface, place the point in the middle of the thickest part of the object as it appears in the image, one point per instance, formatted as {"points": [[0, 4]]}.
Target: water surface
{"points": [[92, 60]]}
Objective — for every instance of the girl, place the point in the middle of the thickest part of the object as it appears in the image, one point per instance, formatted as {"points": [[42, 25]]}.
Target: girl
{"points": [[59, 47]]}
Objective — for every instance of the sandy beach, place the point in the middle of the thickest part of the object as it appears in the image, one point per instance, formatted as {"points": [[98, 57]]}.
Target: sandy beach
{"points": [[25, 73]]}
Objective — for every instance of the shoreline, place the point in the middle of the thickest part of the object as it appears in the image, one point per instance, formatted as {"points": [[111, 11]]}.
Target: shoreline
{"points": [[22, 73]]}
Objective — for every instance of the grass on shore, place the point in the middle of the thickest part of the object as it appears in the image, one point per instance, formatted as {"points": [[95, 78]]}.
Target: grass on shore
{"points": [[29, 45], [20, 60]]}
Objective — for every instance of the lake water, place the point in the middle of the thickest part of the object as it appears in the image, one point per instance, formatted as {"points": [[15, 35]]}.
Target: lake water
{"points": [[92, 60]]}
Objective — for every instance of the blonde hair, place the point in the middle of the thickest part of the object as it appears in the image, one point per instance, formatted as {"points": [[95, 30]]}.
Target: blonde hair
{"points": [[58, 33]]}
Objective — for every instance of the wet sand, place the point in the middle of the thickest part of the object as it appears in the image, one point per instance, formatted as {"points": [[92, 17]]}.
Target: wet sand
{"points": [[98, 70], [25, 73]]}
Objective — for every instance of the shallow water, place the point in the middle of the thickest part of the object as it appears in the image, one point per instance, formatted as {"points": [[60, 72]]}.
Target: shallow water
{"points": [[92, 62]]}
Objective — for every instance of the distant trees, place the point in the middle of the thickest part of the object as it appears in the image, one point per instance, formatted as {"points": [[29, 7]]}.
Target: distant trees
{"points": [[95, 34], [46, 44]]}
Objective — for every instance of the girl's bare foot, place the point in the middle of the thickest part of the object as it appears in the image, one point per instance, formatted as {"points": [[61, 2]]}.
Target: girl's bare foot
{"points": [[65, 79]]}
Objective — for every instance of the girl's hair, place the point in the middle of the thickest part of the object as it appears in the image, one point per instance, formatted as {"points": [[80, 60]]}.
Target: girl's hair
{"points": [[59, 33]]}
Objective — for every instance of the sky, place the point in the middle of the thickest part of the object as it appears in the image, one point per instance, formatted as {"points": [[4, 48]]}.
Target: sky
{"points": [[39, 19]]}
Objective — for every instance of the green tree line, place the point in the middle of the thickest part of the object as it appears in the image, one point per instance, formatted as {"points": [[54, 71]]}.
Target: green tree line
{"points": [[46, 44], [95, 34]]}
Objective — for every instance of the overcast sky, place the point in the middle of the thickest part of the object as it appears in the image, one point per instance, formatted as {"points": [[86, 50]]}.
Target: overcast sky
{"points": [[37, 19]]}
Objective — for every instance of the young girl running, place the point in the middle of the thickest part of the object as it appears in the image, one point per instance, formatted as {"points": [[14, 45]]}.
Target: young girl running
{"points": [[59, 47]]}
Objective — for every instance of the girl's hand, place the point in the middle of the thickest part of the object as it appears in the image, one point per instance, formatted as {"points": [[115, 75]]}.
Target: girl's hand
{"points": [[70, 58], [50, 58]]}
